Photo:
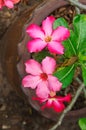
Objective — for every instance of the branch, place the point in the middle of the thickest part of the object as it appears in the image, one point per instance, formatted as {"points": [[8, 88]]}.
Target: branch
{"points": [[69, 106], [78, 4], [77, 9]]}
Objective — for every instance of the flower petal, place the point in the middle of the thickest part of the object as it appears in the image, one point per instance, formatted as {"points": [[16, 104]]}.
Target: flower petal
{"points": [[67, 98], [48, 65], [47, 25], [56, 47], [60, 34], [30, 81], [1, 4], [33, 67], [9, 3], [48, 104], [35, 31], [58, 106], [42, 90], [36, 45], [54, 83]]}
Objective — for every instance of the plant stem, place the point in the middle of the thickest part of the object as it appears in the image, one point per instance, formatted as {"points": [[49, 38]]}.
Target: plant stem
{"points": [[77, 3], [77, 9], [69, 106], [84, 89]]}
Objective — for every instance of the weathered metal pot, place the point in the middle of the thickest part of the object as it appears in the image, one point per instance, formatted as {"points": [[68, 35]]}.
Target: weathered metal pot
{"points": [[14, 53]]}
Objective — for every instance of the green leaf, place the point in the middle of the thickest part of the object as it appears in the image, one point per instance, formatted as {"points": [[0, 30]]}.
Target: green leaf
{"points": [[65, 75], [82, 123], [41, 55], [82, 55], [79, 24], [82, 60], [60, 22], [84, 72], [70, 45]]}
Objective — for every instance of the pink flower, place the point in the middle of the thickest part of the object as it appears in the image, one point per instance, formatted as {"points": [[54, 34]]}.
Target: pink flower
{"points": [[40, 77], [53, 101], [46, 36], [8, 3]]}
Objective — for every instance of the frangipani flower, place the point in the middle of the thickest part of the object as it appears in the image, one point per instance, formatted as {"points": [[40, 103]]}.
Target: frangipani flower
{"points": [[46, 36], [40, 77], [8, 3], [53, 101]]}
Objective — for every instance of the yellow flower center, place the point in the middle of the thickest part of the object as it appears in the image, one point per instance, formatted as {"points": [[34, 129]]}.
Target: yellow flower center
{"points": [[52, 94], [48, 39]]}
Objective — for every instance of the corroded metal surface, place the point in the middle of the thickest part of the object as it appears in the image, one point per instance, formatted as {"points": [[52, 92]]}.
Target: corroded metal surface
{"points": [[8, 49]]}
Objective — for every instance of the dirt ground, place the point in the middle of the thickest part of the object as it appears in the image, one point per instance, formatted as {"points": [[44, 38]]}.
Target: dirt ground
{"points": [[15, 113]]}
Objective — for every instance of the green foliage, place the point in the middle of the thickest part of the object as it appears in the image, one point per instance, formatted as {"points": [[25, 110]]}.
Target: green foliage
{"points": [[84, 73], [41, 55], [79, 24], [82, 59], [70, 45], [75, 46], [60, 22], [82, 123], [80, 30], [82, 55], [65, 75]]}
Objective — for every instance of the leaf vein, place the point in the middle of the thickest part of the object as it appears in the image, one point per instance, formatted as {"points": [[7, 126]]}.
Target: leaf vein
{"points": [[72, 46], [67, 73]]}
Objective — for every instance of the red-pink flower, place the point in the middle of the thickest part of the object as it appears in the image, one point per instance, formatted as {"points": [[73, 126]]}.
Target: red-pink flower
{"points": [[8, 3], [54, 102], [40, 77], [46, 36]]}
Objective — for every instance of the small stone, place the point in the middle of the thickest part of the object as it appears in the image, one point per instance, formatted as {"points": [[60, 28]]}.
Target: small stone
{"points": [[15, 119], [2, 107], [8, 14], [62, 9], [6, 116], [4, 127], [24, 122]]}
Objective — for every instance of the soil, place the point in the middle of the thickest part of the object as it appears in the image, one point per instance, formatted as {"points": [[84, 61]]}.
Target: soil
{"points": [[15, 113]]}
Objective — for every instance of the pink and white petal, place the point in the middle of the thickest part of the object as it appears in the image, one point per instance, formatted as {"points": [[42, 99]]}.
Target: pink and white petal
{"points": [[35, 31], [66, 98], [54, 83], [47, 25], [56, 47], [58, 106], [31, 81], [36, 45], [9, 3], [33, 67], [48, 104], [42, 90], [1, 6], [48, 65], [60, 34]]}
